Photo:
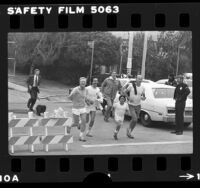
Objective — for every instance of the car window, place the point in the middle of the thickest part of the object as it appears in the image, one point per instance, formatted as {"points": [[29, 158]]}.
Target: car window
{"points": [[163, 92]]}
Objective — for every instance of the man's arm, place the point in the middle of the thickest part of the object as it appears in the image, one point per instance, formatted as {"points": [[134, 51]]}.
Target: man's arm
{"points": [[127, 107], [99, 96], [143, 94], [175, 93], [186, 92], [120, 87], [126, 90], [28, 82], [73, 92], [103, 85], [113, 109], [39, 82]]}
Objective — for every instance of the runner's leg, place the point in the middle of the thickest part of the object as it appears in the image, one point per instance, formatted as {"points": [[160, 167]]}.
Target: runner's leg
{"points": [[88, 117], [92, 119], [133, 120], [83, 125], [117, 128], [74, 123], [108, 110]]}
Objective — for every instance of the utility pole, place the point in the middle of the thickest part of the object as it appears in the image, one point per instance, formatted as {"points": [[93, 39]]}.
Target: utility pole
{"points": [[13, 59], [178, 58], [123, 48], [121, 59], [144, 54], [91, 45], [130, 52], [177, 63]]}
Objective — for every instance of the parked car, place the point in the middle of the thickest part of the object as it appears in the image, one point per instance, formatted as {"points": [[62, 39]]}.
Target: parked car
{"points": [[125, 81], [187, 81], [162, 81], [160, 106]]}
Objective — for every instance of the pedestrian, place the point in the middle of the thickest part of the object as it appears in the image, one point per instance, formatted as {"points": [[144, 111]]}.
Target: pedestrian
{"points": [[120, 108], [171, 80], [134, 93], [180, 96], [33, 83], [110, 87], [94, 94], [79, 100]]}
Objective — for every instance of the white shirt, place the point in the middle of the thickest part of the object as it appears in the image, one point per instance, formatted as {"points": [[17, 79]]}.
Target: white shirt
{"points": [[93, 93], [135, 100], [120, 110], [35, 81]]}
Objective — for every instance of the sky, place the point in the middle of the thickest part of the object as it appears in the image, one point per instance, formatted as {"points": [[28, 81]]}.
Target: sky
{"points": [[125, 34]]}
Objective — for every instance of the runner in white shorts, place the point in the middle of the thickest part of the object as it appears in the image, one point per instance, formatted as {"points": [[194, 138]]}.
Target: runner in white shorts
{"points": [[78, 98], [94, 94], [120, 109]]}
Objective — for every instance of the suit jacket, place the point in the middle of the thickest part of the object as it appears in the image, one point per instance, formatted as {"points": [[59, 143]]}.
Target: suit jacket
{"points": [[30, 82]]}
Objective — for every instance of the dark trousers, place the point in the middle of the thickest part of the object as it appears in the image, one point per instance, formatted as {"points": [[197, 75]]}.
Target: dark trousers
{"points": [[33, 97], [179, 107], [109, 102]]}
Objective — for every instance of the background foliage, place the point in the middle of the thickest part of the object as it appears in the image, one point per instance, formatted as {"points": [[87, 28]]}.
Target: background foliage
{"points": [[66, 56]]}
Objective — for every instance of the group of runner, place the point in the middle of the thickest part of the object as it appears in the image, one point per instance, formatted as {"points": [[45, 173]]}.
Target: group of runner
{"points": [[85, 101]]}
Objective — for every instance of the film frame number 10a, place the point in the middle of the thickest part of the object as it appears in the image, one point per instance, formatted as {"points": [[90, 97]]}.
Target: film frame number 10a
{"points": [[98, 92]]}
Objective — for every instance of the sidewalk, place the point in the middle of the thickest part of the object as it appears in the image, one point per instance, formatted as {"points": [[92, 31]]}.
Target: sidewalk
{"points": [[19, 94], [16, 87]]}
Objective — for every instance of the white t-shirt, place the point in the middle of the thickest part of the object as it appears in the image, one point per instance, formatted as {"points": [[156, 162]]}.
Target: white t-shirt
{"points": [[135, 100], [120, 110], [35, 81], [94, 95]]}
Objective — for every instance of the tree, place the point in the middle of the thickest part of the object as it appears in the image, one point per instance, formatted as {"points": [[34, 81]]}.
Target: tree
{"points": [[162, 55], [59, 53]]}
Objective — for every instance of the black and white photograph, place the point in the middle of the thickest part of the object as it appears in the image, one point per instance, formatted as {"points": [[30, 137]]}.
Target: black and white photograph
{"points": [[100, 93]]}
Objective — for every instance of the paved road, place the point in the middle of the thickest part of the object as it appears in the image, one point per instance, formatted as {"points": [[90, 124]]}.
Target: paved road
{"points": [[154, 140]]}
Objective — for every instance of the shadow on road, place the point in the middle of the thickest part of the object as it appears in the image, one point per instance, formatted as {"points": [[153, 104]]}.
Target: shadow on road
{"points": [[162, 125]]}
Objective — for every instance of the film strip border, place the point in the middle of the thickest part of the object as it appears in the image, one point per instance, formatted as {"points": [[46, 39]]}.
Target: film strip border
{"points": [[118, 168], [158, 16], [115, 169], [111, 22]]}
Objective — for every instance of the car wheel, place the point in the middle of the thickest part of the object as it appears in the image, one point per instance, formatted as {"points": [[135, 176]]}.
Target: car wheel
{"points": [[145, 119], [187, 124]]}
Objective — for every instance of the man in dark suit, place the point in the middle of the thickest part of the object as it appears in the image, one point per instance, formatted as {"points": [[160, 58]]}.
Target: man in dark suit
{"points": [[180, 96], [33, 83]]}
